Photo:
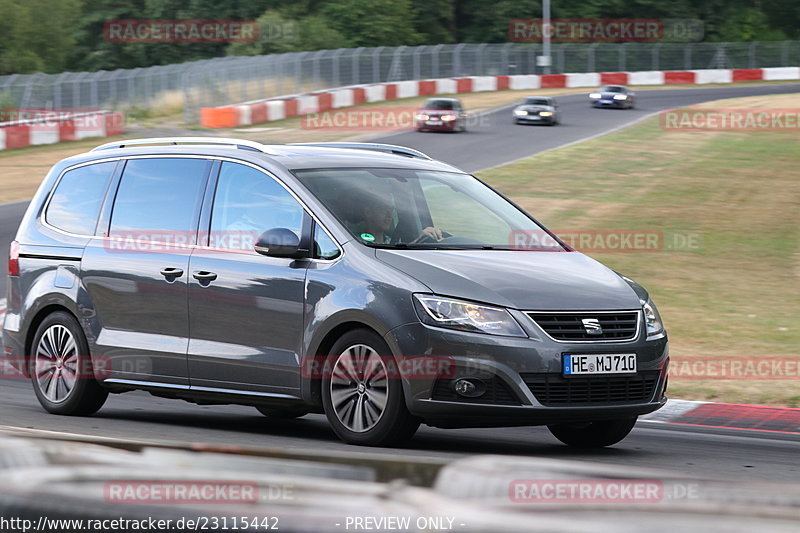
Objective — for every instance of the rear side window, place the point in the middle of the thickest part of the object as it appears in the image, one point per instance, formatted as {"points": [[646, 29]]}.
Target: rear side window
{"points": [[77, 200], [159, 199]]}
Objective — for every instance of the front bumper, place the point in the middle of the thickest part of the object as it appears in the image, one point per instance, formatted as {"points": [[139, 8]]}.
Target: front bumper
{"points": [[449, 125], [610, 103], [515, 369], [534, 119]]}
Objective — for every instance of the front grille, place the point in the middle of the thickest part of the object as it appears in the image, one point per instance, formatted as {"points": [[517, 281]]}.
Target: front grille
{"points": [[497, 393], [554, 390], [618, 326]]}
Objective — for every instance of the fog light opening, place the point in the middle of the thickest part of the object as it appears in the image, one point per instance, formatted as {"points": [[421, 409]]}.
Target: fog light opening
{"points": [[469, 387]]}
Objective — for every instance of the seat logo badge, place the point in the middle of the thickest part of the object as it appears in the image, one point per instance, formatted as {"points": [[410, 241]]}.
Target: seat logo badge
{"points": [[592, 326]]}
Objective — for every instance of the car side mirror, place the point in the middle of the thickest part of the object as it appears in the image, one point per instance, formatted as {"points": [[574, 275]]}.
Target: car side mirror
{"points": [[279, 242]]}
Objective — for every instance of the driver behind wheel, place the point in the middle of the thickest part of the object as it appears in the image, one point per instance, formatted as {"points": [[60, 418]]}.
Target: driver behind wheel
{"points": [[377, 223]]}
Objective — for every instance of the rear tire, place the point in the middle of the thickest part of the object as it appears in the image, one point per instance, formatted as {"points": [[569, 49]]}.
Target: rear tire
{"points": [[61, 368], [596, 434], [283, 414], [364, 402]]}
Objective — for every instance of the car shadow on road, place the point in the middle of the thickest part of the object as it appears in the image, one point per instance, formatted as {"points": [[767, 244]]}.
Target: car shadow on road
{"points": [[242, 429]]}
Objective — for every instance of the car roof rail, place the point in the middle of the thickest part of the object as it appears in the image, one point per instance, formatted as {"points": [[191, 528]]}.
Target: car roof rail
{"points": [[241, 144], [375, 147]]}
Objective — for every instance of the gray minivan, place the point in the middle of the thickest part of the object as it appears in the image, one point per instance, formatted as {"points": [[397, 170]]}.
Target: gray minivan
{"points": [[364, 281]]}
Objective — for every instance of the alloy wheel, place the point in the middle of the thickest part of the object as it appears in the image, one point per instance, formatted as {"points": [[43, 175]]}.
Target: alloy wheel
{"points": [[359, 388], [56, 366]]}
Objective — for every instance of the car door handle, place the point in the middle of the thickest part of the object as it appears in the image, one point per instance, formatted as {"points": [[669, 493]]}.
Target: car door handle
{"points": [[202, 275], [172, 272]]}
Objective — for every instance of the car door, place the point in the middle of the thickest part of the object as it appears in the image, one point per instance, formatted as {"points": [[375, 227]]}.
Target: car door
{"points": [[136, 271], [246, 309]]}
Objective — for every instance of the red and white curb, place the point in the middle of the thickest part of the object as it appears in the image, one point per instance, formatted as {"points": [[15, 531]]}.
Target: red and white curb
{"points": [[2, 309], [53, 127], [259, 111], [728, 416]]}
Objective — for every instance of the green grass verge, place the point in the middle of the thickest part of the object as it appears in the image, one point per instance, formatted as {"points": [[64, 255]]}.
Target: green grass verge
{"points": [[737, 294]]}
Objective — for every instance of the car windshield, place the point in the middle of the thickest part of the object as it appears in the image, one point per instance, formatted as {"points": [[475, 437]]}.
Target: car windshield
{"points": [[613, 89], [440, 104], [537, 101], [405, 208]]}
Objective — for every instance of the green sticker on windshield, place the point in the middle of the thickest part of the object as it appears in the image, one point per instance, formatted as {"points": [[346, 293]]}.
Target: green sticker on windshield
{"points": [[368, 237]]}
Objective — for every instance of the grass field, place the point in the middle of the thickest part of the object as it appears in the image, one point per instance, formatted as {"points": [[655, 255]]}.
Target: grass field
{"points": [[737, 294]]}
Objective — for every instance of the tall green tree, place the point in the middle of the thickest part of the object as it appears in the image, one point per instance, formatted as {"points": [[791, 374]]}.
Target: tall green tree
{"points": [[279, 34], [94, 52], [37, 35], [373, 22], [481, 22], [435, 20]]}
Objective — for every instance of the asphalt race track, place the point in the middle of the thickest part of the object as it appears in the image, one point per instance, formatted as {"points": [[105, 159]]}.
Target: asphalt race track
{"points": [[492, 139]]}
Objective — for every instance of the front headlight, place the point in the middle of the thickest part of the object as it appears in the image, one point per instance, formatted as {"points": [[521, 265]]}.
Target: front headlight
{"points": [[422, 116], [595, 95], [520, 112], [652, 319], [448, 118], [546, 114], [466, 316], [620, 97]]}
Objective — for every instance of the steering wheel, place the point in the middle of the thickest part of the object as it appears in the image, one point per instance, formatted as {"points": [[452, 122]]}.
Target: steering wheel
{"points": [[428, 239]]}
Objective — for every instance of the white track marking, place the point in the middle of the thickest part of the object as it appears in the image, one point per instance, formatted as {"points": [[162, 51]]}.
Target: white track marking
{"points": [[671, 411]]}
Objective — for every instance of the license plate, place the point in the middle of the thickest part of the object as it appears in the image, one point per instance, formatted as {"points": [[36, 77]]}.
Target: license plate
{"points": [[433, 122], [536, 118], [591, 364]]}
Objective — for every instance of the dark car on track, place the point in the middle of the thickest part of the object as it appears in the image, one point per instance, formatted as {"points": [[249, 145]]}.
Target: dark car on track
{"points": [[537, 110], [442, 114], [367, 282], [617, 96]]}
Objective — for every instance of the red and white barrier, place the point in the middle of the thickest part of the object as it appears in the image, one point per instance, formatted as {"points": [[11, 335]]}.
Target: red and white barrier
{"points": [[54, 127], [279, 108]]}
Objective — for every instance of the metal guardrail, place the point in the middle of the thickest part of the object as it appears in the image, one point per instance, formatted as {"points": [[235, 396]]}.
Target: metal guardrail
{"points": [[223, 80]]}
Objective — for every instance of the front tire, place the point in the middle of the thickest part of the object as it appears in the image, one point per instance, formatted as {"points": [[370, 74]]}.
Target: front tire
{"points": [[363, 400], [597, 434], [61, 368]]}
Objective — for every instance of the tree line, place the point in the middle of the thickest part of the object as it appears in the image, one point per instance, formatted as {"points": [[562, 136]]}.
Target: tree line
{"points": [[60, 35]]}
